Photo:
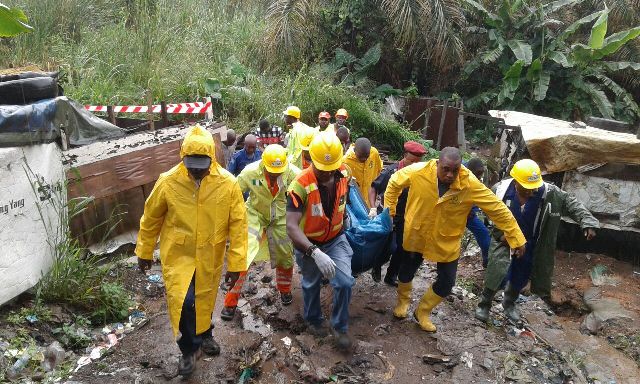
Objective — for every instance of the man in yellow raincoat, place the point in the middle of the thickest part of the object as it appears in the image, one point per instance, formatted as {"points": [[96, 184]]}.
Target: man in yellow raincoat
{"points": [[267, 182], [441, 194], [194, 208], [365, 164]]}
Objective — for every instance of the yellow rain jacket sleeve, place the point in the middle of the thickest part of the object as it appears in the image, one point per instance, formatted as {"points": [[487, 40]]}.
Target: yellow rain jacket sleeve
{"points": [[294, 150], [434, 225], [193, 224], [364, 173]]}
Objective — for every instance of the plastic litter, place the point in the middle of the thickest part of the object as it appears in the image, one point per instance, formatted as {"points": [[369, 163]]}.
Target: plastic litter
{"points": [[155, 278], [19, 365], [96, 352], [287, 341], [467, 358], [53, 356], [599, 276], [118, 328], [31, 318]]}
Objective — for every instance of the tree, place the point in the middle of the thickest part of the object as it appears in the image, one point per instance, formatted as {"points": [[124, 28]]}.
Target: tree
{"points": [[416, 30], [528, 49], [13, 22]]}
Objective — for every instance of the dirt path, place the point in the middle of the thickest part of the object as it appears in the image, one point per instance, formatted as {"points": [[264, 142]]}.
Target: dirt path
{"points": [[271, 340], [590, 335]]}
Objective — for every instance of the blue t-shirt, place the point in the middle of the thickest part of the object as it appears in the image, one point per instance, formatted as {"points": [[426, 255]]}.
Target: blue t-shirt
{"points": [[240, 160]]}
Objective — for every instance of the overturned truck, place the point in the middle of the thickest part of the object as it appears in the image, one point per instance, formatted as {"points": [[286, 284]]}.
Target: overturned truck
{"points": [[600, 167]]}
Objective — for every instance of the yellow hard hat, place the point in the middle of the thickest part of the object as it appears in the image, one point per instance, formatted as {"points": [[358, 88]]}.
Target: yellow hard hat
{"points": [[306, 137], [527, 173], [292, 111], [274, 158], [342, 112], [326, 151]]}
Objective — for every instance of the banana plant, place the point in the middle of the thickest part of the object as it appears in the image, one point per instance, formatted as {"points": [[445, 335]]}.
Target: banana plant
{"points": [[13, 22], [530, 55]]}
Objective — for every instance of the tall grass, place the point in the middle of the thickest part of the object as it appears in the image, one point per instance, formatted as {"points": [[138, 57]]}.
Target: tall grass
{"points": [[111, 52]]}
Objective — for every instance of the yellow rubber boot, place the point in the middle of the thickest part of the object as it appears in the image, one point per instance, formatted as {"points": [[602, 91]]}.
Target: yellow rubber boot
{"points": [[404, 300], [422, 313]]}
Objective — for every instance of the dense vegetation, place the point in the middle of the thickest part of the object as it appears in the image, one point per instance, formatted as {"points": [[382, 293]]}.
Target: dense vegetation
{"points": [[566, 58]]}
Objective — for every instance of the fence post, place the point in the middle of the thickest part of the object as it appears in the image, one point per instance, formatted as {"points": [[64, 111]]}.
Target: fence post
{"points": [[111, 116], [163, 114], [150, 110], [462, 140], [442, 117]]}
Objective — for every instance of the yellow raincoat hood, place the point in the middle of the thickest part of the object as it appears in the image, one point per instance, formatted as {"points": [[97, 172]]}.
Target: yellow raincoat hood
{"points": [[198, 141]]}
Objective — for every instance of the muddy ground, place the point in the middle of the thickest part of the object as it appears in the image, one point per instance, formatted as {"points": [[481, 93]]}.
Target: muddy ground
{"points": [[267, 343]]}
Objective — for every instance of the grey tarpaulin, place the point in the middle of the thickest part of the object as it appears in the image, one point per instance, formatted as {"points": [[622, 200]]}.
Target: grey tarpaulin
{"points": [[41, 122]]}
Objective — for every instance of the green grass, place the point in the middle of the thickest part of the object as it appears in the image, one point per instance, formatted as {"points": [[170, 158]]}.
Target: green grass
{"points": [[111, 54]]}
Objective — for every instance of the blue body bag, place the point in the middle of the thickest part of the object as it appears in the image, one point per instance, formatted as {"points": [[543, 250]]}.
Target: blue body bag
{"points": [[370, 240]]}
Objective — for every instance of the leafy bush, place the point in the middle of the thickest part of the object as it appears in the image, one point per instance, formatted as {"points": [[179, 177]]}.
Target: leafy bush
{"points": [[531, 64]]}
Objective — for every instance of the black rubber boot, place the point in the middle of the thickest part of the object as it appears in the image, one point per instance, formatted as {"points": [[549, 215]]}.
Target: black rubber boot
{"points": [[187, 364], [209, 345], [509, 303], [286, 298], [484, 306], [391, 279], [376, 274], [227, 313], [343, 341]]}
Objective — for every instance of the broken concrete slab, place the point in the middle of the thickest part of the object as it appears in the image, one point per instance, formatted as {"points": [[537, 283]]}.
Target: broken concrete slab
{"points": [[596, 351]]}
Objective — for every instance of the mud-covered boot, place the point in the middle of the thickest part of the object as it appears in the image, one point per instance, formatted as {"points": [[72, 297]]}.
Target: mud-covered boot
{"points": [[509, 303], [484, 306], [228, 313]]}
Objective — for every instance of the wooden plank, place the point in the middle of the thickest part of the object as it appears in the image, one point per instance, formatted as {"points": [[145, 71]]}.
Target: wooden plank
{"points": [[147, 188], [110, 176], [121, 211]]}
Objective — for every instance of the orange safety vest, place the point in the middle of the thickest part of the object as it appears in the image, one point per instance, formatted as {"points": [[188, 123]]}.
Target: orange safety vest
{"points": [[305, 163], [315, 224]]}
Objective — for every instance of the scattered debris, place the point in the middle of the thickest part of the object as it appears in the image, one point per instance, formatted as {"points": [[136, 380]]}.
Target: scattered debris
{"points": [[600, 278], [375, 308], [436, 359], [155, 278], [467, 358], [53, 356], [382, 329]]}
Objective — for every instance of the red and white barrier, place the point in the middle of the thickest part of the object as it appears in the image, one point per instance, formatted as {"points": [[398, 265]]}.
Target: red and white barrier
{"points": [[197, 107]]}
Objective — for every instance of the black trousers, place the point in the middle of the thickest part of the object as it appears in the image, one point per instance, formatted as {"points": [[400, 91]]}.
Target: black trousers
{"points": [[400, 254], [189, 342], [445, 278]]}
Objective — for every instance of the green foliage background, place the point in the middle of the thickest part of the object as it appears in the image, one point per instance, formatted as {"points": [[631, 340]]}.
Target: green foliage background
{"points": [[266, 55]]}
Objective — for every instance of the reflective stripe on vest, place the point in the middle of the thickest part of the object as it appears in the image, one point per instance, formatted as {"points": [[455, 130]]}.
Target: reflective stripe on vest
{"points": [[315, 222]]}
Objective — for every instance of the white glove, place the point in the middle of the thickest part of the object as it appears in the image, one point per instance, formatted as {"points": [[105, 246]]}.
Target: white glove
{"points": [[373, 212], [324, 263]]}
